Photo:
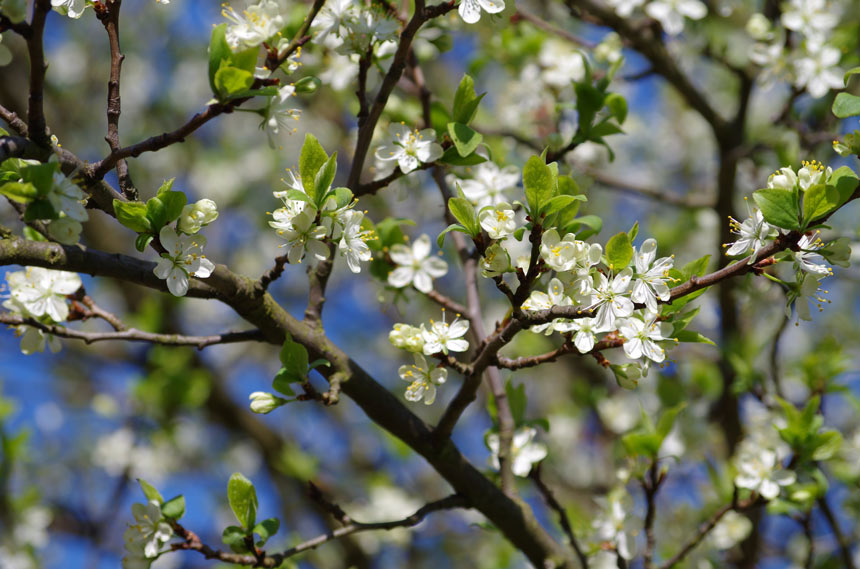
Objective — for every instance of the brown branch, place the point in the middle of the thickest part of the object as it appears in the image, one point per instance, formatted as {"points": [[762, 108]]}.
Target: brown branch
{"points": [[563, 520], [844, 545], [317, 280], [448, 303], [398, 64], [20, 28], [650, 486], [272, 274], [370, 188], [134, 335], [192, 541], [19, 147], [35, 47], [109, 17], [14, 121]]}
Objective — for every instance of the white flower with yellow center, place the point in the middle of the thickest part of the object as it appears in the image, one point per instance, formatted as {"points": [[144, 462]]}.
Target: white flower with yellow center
{"points": [[754, 232], [67, 198], [758, 471], [641, 337], [150, 531], [586, 333], [489, 184], [254, 25], [813, 172], [415, 265], [495, 261], [554, 296], [671, 13], [195, 216], [183, 258], [558, 253], [303, 234], [353, 239], [611, 298], [806, 255], [422, 380], [444, 337], [410, 148], [42, 292], [498, 221], [279, 114], [71, 8], [650, 283]]}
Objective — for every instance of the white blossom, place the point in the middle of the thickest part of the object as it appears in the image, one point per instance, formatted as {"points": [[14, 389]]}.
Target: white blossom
{"points": [[470, 10], [758, 471], [279, 114], [353, 239], [650, 282], [559, 65], [410, 148], [422, 379], [406, 337], [558, 253], [183, 258], [641, 337], [498, 221], [671, 13], [364, 29], [254, 25], [611, 527], [817, 71], [444, 337], [610, 298], [150, 531], [806, 290], [495, 261], [813, 18], [554, 296], [625, 7], [71, 8], [732, 529], [415, 265], [806, 255], [332, 16], [39, 292], [489, 184], [754, 232], [303, 234], [65, 230], [67, 198], [586, 331], [525, 451]]}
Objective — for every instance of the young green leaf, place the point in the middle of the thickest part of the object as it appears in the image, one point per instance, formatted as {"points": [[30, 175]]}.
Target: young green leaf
{"points": [[231, 81], [173, 204], [465, 139], [452, 156], [294, 356], [156, 212], [219, 50], [464, 212], [243, 500], [166, 186], [453, 227], [539, 183], [282, 382], [466, 101], [174, 508], [779, 207], [40, 209], [324, 177], [266, 529], [234, 537], [149, 491], [132, 215], [312, 158], [142, 241], [846, 105], [516, 400], [21, 192], [619, 251], [819, 200]]}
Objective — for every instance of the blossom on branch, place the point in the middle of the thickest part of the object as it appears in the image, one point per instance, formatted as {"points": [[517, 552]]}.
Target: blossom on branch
{"points": [[410, 148], [470, 10], [183, 258], [415, 266], [525, 452], [423, 380], [254, 25]]}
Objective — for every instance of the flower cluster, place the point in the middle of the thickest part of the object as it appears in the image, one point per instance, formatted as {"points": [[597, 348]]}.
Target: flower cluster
{"points": [[349, 28], [437, 338], [809, 62], [311, 230], [40, 294], [670, 13], [254, 25]]}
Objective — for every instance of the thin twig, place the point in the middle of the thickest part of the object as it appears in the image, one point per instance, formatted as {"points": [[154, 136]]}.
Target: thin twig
{"points": [[109, 17], [563, 520], [134, 335], [539, 22], [844, 545], [14, 121], [35, 47]]}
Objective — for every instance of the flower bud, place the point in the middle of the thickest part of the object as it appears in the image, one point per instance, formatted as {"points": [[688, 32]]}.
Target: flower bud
{"points": [[262, 402], [195, 216], [307, 84], [407, 338], [495, 261], [758, 27]]}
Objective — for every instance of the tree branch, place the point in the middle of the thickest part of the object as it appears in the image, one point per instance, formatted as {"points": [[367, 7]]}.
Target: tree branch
{"points": [[36, 125], [563, 520]]}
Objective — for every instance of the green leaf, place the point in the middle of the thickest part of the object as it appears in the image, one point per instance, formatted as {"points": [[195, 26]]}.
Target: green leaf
{"points": [[819, 200], [142, 241], [589, 100], [312, 158], [243, 500], [695, 268], [324, 177], [846, 105], [231, 80], [299, 195], [604, 128], [453, 227], [307, 84], [465, 139], [559, 203], [319, 362], [617, 106], [282, 382], [266, 529], [845, 181], [667, 420], [342, 196], [40, 209], [234, 537], [849, 73], [693, 337], [619, 251], [166, 186], [294, 356], [173, 204], [539, 182], [634, 231], [21, 192], [132, 215], [682, 321], [219, 50], [149, 491], [156, 212], [174, 508], [245, 60], [779, 207], [452, 156], [464, 212], [466, 101], [592, 222]]}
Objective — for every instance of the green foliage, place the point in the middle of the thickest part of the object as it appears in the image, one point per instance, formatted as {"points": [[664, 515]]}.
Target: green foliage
{"points": [[465, 140], [619, 251], [174, 508], [541, 184], [311, 160], [151, 493], [779, 207], [465, 101], [804, 434], [648, 438], [242, 497], [846, 105]]}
